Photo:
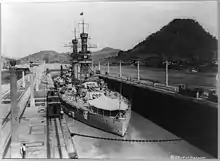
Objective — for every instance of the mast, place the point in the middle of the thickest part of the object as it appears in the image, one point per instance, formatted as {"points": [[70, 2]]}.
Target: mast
{"points": [[81, 60], [85, 60], [83, 26]]}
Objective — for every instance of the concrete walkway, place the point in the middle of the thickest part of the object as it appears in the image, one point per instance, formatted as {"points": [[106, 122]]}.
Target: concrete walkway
{"points": [[32, 131]]}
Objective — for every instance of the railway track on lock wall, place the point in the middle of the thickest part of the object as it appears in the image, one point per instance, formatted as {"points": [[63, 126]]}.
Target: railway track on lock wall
{"points": [[54, 140]]}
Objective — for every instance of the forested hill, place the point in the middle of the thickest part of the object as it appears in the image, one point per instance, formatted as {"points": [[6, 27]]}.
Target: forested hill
{"points": [[178, 40]]}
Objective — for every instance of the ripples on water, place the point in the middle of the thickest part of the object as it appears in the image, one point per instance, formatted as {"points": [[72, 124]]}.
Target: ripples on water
{"points": [[139, 128]]}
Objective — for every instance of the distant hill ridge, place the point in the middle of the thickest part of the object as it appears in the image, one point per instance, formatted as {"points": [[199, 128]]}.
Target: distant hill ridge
{"points": [[107, 49], [47, 55], [7, 58], [180, 39], [53, 56], [104, 53]]}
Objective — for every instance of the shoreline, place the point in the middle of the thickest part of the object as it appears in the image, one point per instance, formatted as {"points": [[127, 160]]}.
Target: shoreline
{"points": [[206, 80]]}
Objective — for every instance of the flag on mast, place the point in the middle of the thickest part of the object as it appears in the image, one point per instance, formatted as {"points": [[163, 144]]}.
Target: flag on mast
{"points": [[81, 13]]}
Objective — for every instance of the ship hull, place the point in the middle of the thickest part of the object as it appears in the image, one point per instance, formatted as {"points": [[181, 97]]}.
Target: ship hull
{"points": [[105, 123]]}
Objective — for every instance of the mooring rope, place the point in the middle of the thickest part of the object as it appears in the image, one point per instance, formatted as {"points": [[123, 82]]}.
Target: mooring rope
{"points": [[127, 140]]}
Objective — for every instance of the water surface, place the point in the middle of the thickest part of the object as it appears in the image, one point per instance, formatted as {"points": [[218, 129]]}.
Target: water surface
{"points": [[139, 128]]}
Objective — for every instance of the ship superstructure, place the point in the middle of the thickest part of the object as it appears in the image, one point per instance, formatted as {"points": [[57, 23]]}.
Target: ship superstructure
{"points": [[81, 61], [74, 60]]}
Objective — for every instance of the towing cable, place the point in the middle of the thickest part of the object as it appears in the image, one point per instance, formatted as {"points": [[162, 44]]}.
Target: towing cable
{"points": [[126, 140]]}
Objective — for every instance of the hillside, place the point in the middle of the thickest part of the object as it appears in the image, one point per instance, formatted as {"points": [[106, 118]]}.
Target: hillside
{"points": [[48, 56], [180, 39], [104, 53], [4, 58], [52, 56]]}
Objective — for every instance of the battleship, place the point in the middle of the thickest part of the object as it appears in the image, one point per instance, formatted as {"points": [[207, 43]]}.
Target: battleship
{"points": [[87, 98]]}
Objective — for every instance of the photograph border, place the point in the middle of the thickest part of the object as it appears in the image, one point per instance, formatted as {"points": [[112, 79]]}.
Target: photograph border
{"points": [[63, 1]]}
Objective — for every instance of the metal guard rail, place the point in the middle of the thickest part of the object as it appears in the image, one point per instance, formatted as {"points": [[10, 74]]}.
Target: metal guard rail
{"points": [[18, 83], [146, 82]]}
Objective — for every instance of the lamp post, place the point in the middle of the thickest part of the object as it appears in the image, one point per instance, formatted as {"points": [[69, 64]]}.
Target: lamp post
{"points": [[138, 70], [37, 80], [23, 79], [14, 112], [99, 67], [167, 63], [32, 102], [92, 66], [108, 68], [120, 69]]}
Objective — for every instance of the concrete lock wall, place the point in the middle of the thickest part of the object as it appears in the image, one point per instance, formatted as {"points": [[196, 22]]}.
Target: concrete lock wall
{"points": [[192, 121]]}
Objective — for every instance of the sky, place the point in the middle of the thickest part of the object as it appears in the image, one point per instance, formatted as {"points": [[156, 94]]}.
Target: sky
{"points": [[28, 28]]}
